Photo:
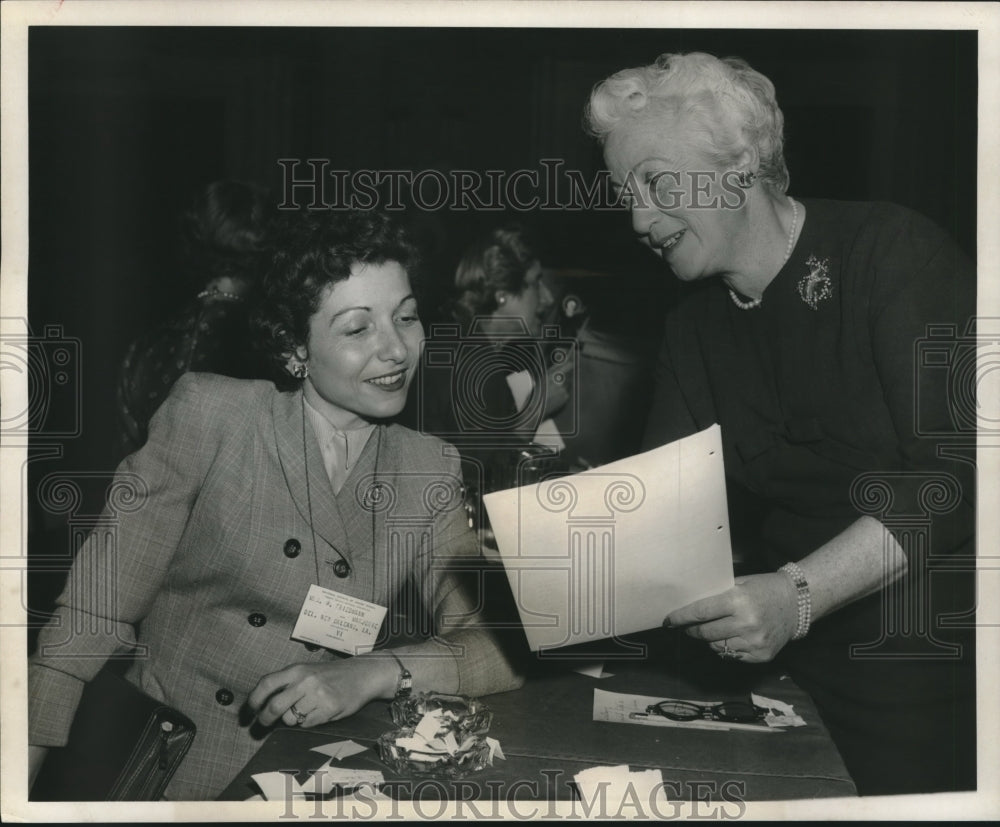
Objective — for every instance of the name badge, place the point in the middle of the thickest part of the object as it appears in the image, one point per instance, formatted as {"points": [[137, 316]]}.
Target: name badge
{"points": [[338, 621]]}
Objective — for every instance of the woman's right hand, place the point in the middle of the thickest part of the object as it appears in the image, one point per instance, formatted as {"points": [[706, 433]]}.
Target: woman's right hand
{"points": [[36, 757], [322, 692], [758, 616]]}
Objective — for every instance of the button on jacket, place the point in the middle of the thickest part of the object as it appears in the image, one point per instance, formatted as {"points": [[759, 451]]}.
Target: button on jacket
{"points": [[206, 562]]}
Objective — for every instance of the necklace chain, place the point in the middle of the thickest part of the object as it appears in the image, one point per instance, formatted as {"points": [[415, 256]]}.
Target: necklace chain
{"points": [[752, 303]]}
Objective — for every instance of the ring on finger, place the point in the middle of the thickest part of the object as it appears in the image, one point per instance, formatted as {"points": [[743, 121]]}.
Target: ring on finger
{"points": [[727, 652], [299, 716]]}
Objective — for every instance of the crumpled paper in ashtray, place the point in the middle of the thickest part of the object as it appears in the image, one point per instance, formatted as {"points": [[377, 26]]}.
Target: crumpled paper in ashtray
{"points": [[433, 739]]}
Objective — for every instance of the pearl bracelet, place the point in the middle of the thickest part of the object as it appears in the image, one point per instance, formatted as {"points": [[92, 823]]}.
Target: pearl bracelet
{"points": [[803, 598]]}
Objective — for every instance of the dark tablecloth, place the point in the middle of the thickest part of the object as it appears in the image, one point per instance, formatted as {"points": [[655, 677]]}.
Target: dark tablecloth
{"points": [[547, 732]]}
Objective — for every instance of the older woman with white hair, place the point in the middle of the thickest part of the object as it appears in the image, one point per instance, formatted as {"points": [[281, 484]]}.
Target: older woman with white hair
{"points": [[845, 489]]}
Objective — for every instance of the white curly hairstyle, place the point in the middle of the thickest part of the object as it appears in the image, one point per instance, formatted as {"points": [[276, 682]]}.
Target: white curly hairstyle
{"points": [[725, 100]]}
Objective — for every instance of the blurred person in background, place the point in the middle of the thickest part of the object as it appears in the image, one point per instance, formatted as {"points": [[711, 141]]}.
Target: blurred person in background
{"points": [[493, 382], [222, 254]]}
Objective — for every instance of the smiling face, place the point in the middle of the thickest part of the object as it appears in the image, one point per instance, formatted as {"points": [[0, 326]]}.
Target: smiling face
{"points": [[683, 207], [364, 343]]}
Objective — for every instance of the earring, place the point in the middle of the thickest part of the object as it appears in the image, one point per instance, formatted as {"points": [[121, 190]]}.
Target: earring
{"points": [[300, 370], [745, 179]]}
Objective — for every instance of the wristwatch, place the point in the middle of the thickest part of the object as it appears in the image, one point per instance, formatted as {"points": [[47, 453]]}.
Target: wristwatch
{"points": [[405, 684]]}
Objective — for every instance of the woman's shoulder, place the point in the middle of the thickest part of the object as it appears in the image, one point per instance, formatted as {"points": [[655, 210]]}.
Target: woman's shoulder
{"points": [[203, 412], [874, 224], [892, 255], [212, 397], [421, 451]]}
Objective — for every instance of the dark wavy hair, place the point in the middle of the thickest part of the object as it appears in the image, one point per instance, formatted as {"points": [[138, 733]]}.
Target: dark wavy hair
{"points": [[498, 260], [224, 231], [310, 252]]}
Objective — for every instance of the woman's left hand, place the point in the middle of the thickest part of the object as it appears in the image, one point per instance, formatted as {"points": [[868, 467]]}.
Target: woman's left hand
{"points": [[753, 620], [322, 692]]}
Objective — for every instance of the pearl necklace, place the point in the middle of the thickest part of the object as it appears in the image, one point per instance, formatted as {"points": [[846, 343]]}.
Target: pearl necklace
{"points": [[215, 293], [750, 305]]}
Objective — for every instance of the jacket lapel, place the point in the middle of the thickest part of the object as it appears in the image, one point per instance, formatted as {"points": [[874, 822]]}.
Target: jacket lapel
{"points": [[306, 478], [363, 516]]}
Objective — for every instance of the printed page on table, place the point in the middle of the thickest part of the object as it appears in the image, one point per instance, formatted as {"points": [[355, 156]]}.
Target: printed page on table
{"points": [[612, 550]]}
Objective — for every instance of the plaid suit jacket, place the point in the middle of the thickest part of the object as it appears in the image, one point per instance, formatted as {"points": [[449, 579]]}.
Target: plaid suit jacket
{"points": [[229, 516]]}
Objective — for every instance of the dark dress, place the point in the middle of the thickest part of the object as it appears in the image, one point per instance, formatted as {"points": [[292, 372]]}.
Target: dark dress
{"points": [[854, 407]]}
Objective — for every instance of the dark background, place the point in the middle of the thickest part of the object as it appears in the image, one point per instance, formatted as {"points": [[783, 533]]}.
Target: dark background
{"points": [[127, 123]]}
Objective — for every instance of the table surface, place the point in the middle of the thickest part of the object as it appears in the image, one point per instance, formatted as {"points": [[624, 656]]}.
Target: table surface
{"points": [[547, 733]]}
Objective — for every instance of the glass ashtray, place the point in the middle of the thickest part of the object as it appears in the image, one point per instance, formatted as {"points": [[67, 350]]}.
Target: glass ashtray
{"points": [[472, 757], [461, 715]]}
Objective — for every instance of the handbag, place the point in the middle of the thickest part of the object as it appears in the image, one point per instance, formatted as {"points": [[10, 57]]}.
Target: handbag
{"points": [[123, 746]]}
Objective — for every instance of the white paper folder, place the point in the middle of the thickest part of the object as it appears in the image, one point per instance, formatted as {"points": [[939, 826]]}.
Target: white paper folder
{"points": [[612, 550]]}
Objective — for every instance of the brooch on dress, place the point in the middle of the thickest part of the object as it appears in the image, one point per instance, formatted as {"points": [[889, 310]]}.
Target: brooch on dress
{"points": [[816, 286]]}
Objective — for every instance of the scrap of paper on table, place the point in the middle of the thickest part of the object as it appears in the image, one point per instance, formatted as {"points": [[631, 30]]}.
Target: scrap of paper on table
{"points": [[616, 707], [779, 714], [612, 550], [324, 779], [593, 670], [364, 794], [619, 782], [277, 786], [339, 749]]}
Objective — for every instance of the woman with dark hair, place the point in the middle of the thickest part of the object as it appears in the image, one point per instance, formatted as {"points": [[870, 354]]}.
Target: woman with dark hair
{"points": [[222, 254], [801, 342], [249, 497]]}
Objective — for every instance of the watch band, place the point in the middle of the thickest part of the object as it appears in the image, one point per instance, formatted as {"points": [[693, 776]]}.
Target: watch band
{"points": [[803, 598], [405, 684]]}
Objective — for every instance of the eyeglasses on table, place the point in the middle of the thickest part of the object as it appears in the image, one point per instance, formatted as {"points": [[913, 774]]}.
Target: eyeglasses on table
{"points": [[733, 712]]}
